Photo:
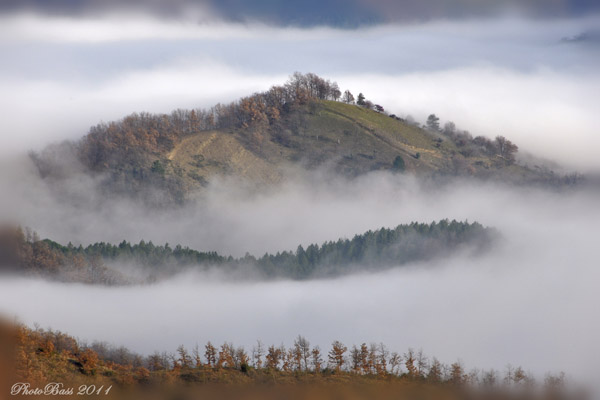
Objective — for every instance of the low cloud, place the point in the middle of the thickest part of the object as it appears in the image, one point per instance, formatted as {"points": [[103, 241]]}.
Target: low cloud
{"points": [[527, 302]]}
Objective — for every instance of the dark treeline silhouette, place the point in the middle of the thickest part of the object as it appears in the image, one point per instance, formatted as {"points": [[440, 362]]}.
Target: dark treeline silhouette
{"points": [[47, 356], [376, 249], [373, 250], [143, 253]]}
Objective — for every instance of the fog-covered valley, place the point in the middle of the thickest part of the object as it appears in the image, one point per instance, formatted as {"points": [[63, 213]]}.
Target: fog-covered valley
{"points": [[528, 301]]}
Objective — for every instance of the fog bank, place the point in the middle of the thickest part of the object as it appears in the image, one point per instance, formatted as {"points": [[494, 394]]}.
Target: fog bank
{"points": [[530, 301]]}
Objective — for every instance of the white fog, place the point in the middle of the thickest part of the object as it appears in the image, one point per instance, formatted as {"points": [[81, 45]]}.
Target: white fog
{"points": [[530, 301]]}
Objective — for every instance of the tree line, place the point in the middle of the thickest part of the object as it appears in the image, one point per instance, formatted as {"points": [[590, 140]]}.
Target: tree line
{"points": [[47, 355], [142, 133], [372, 250], [474, 146], [22, 252]]}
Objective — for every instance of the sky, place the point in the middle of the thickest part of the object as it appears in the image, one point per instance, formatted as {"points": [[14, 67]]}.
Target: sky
{"points": [[344, 13], [527, 70]]}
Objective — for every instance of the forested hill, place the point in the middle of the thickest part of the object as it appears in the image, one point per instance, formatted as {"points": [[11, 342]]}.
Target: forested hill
{"points": [[371, 251], [307, 122]]}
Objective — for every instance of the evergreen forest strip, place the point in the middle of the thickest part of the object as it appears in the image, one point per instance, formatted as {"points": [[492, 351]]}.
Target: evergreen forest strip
{"points": [[98, 263]]}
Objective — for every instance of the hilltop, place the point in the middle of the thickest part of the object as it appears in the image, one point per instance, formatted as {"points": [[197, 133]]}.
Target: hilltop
{"points": [[305, 123]]}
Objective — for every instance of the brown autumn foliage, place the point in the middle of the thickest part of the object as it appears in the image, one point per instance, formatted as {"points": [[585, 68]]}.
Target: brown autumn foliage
{"points": [[42, 356], [22, 252], [130, 156], [141, 135]]}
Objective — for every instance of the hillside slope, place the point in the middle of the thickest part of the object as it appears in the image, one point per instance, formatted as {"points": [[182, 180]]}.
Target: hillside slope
{"points": [[259, 137], [346, 138]]}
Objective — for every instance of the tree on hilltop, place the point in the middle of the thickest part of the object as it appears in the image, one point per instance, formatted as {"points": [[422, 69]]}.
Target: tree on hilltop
{"points": [[348, 97], [433, 122], [361, 99]]}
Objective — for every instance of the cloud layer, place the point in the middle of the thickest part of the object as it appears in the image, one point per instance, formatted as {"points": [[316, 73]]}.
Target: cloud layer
{"points": [[312, 12]]}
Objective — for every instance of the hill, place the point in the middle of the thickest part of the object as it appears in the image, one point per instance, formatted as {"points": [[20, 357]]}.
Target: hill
{"points": [[305, 123]]}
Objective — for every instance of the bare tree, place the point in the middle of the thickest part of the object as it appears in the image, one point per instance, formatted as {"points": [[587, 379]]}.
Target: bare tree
{"points": [[373, 359], [336, 355], [302, 350], [489, 379], [509, 375], [210, 354], [395, 361], [258, 352], [288, 359], [449, 129], [409, 363], [227, 356], [317, 361], [435, 372], [382, 358], [273, 357], [473, 377], [554, 383], [365, 359], [241, 358], [457, 374], [184, 360], [197, 357], [158, 362], [335, 91], [422, 363], [355, 358], [506, 149], [348, 97]]}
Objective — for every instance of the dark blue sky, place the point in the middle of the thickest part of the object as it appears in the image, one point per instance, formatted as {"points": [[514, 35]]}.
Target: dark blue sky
{"points": [[344, 13]]}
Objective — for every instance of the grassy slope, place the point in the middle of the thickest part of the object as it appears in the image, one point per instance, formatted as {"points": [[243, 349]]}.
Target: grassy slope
{"points": [[207, 154], [347, 138], [367, 135]]}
